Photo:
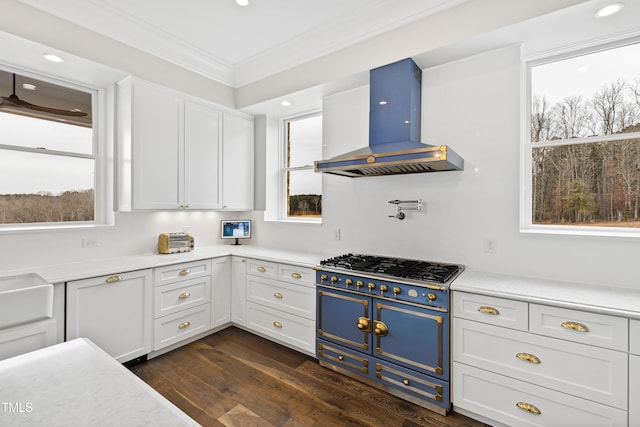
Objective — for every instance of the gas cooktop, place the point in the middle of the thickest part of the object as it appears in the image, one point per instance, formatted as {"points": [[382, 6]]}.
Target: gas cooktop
{"points": [[415, 270]]}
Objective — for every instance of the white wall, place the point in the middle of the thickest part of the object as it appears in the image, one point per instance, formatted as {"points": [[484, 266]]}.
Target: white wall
{"points": [[473, 106]]}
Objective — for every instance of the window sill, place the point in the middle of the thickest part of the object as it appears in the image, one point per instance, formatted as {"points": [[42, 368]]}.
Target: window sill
{"points": [[581, 231], [317, 221]]}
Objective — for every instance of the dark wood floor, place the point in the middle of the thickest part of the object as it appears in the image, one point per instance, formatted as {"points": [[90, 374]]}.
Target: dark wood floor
{"points": [[234, 378]]}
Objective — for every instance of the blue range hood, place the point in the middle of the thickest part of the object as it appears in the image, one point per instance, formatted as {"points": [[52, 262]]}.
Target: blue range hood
{"points": [[394, 130]]}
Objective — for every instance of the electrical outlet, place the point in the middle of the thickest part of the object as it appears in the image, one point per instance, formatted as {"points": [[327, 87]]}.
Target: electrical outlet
{"points": [[490, 245], [336, 234], [90, 243]]}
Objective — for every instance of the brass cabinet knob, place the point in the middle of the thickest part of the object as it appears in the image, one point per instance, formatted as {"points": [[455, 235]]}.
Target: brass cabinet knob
{"points": [[488, 310], [278, 295], [184, 325], [277, 324], [341, 358], [296, 275], [405, 382], [262, 269], [184, 295], [184, 272], [113, 279], [575, 326]]}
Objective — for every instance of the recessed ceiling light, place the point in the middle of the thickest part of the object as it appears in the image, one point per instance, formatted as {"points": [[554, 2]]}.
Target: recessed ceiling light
{"points": [[242, 2], [53, 58], [285, 103], [609, 10], [28, 86]]}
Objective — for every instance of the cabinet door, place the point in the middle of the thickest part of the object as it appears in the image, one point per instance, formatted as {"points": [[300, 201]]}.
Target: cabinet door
{"points": [[239, 291], [221, 291], [157, 148], [203, 155], [112, 311], [237, 165], [634, 390]]}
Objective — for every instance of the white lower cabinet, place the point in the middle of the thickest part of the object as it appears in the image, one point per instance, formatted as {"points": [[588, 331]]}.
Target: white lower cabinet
{"points": [[220, 291], [112, 311], [239, 291], [25, 338], [281, 303], [529, 364], [182, 302], [634, 373]]}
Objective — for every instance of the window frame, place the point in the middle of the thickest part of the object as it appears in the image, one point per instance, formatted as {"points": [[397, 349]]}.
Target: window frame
{"points": [[283, 169], [526, 146], [102, 154]]}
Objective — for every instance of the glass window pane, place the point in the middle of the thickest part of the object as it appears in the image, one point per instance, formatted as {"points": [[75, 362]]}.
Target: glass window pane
{"points": [[36, 133], [45, 188], [305, 141], [305, 194], [594, 184]]}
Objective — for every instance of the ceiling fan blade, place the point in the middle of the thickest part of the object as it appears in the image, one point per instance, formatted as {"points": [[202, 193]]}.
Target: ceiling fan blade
{"points": [[57, 111]]}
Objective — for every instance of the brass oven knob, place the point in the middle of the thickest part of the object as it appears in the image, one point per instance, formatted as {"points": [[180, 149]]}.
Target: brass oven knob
{"points": [[396, 290], [348, 282], [359, 284], [432, 296], [383, 288], [323, 277], [371, 286], [334, 279]]}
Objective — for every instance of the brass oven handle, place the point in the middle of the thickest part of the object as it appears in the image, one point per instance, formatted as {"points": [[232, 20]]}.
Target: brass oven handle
{"points": [[528, 407], [184, 325], [488, 310], [262, 269], [112, 279], [575, 326], [278, 295], [379, 328], [277, 324], [363, 324], [296, 275], [528, 358], [184, 272], [184, 295]]}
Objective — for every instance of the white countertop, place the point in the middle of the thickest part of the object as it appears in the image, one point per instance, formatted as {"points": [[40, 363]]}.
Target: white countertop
{"points": [[100, 267], [610, 300], [77, 384]]}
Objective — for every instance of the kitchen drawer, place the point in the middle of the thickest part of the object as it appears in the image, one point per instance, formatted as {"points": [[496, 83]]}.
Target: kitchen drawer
{"points": [[584, 371], [187, 270], [496, 311], [179, 326], [262, 268], [297, 275], [634, 337], [497, 397], [343, 358], [294, 299], [412, 383], [25, 338], [580, 326], [287, 328], [178, 296]]}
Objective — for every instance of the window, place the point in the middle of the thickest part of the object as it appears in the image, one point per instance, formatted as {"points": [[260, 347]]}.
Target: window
{"points": [[302, 186], [582, 156], [48, 161]]}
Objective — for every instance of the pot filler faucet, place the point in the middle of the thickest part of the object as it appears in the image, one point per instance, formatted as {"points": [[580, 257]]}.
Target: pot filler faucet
{"points": [[405, 205]]}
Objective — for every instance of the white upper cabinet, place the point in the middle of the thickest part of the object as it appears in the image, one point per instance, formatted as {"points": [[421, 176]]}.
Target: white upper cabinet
{"points": [[237, 163], [170, 151]]}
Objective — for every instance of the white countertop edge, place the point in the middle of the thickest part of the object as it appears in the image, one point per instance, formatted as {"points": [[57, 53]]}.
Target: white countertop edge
{"points": [[610, 300]]}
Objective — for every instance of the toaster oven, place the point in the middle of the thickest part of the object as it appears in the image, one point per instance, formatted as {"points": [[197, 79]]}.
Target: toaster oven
{"points": [[171, 243]]}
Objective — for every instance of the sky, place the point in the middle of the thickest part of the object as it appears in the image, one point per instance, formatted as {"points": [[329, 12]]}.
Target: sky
{"points": [[54, 174]]}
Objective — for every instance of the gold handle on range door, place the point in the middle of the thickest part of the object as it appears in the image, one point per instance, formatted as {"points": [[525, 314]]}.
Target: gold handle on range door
{"points": [[528, 358], [489, 310], [379, 328], [528, 407], [112, 279], [184, 325], [363, 324], [575, 326]]}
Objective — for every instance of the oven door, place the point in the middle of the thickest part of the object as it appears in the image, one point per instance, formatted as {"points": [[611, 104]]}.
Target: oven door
{"points": [[411, 335], [344, 318]]}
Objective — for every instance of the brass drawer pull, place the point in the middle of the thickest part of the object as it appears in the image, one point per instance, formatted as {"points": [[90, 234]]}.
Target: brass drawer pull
{"points": [[575, 326], [184, 272], [528, 407], [296, 275], [112, 279], [405, 382], [528, 358], [277, 324], [341, 358], [184, 325], [488, 310], [262, 269], [184, 295], [278, 295]]}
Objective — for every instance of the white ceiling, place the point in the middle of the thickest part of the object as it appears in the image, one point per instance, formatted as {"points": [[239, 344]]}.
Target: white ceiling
{"points": [[239, 45]]}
